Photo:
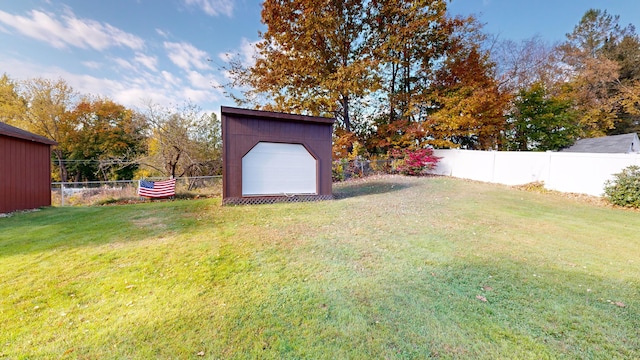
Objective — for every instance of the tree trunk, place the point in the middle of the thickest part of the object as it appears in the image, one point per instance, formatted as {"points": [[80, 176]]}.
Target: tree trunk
{"points": [[61, 165], [407, 85], [392, 93], [345, 112]]}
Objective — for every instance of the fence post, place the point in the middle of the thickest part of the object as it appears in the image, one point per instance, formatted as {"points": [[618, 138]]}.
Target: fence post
{"points": [[61, 194]]}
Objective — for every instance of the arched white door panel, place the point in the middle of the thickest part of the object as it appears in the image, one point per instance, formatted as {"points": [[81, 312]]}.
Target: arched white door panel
{"points": [[277, 169]]}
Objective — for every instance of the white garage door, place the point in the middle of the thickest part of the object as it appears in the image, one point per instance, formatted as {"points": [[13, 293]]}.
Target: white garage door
{"points": [[277, 169]]}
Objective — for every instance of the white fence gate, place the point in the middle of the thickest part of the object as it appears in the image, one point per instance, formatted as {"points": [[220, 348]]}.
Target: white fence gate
{"points": [[583, 173]]}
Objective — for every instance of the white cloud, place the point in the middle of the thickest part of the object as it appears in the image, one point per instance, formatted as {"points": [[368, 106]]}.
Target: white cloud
{"points": [[132, 92], [161, 88], [213, 7], [170, 79], [227, 75], [136, 96], [185, 56], [162, 33], [124, 64], [198, 96], [150, 62], [70, 31], [201, 81], [247, 53], [92, 64]]}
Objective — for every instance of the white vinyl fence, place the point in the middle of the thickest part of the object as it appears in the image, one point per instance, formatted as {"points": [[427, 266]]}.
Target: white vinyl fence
{"points": [[583, 173]]}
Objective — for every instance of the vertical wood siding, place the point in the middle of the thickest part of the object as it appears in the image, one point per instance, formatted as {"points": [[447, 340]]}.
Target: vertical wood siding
{"points": [[243, 129], [25, 174]]}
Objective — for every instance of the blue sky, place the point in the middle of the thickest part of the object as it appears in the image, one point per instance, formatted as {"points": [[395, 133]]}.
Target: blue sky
{"points": [[172, 51], [551, 19]]}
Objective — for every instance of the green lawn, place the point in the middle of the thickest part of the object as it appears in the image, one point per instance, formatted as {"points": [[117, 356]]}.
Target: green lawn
{"points": [[407, 268]]}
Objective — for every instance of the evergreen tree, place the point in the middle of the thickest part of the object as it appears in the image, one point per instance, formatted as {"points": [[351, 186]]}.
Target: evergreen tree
{"points": [[540, 121]]}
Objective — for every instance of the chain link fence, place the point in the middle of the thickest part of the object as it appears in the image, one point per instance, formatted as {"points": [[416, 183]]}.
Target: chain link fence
{"points": [[346, 169], [105, 192], [124, 191]]}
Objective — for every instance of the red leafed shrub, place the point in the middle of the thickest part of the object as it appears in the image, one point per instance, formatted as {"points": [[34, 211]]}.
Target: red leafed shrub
{"points": [[413, 162]]}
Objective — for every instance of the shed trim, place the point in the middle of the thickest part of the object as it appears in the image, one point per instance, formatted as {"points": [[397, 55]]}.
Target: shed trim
{"points": [[275, 115], [12, 131]]}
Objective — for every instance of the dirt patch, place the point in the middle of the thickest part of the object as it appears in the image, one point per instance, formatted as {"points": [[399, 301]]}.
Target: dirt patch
{"points": [[148, 222]]}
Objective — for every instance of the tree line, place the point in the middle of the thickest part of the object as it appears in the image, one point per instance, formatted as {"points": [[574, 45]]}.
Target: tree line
{"points": [[99, 139], [406, 74], [396, 74]]}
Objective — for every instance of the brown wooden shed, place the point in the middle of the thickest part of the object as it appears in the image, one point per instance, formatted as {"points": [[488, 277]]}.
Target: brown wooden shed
{"points": [[273, 157], [25, 169]]}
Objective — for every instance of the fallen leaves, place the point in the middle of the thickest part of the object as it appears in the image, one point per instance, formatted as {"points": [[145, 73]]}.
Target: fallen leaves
{"points": [[617, 303], [481, 298]]}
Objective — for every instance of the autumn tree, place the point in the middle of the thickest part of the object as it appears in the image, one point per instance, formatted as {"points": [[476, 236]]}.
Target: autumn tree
{"points": [[626, 89], [12, 105], [594, 56], [468, 105], [408, 38], [398, 134], [47, 104], [182, 142], [108, 139], [331, 57], [312, 58]]}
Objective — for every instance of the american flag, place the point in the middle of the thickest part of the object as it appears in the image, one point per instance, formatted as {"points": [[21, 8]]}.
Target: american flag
{"points": [[157, 189]]}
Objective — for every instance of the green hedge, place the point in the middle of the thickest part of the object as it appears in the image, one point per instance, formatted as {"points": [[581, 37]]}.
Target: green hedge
{"points": [[624, 190]]}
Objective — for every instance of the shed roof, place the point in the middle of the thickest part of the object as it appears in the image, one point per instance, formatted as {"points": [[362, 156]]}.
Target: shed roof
{"points": [[625, 143], [274, 115], [12, 131]]}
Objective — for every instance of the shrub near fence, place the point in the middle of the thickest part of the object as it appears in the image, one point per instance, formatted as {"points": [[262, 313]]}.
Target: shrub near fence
{"points": [[103, 192], [347, 169], [405, 162], [624, 190]]}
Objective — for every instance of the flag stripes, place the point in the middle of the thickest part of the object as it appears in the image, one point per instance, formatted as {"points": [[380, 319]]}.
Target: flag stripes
{"points": [[157, 189]]}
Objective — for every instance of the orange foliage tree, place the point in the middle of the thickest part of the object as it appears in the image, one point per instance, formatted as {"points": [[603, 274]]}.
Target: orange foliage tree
{"points": [[411, 36], [332, 57], [604, 81], [106, 142], [469, 107], [313, 59]]}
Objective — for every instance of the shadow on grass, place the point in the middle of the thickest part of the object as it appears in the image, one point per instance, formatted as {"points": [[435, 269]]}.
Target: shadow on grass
{"points": [[418, 316], [52, 228], [364, 187]]}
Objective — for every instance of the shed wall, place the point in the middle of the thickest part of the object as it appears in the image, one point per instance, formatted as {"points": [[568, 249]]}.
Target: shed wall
{"points": [[242, 131], [25, 174]]}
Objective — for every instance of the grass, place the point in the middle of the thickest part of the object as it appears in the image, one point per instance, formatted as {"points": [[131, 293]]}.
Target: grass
{"points": [[396, 268]]}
